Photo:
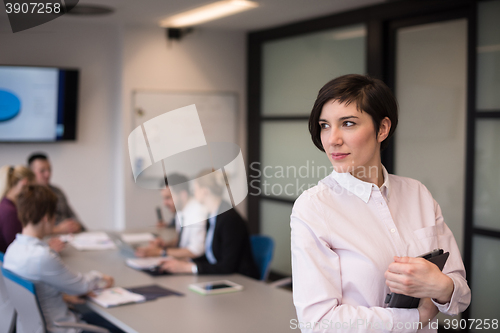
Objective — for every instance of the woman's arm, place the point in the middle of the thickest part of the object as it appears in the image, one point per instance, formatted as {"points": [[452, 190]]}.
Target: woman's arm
{"points": [[418, 277], [454, 269]]}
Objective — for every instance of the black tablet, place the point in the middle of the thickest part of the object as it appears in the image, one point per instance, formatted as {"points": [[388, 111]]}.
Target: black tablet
{"points": [[437, 257]]}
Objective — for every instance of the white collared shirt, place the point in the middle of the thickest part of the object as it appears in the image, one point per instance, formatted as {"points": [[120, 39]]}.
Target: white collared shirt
{"points": [[345, 233], [193, 219]]}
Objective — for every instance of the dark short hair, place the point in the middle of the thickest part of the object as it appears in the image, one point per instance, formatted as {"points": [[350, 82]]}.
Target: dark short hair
{"points": [[180, 182], [34, 202], [37, 156], [369, 94]]}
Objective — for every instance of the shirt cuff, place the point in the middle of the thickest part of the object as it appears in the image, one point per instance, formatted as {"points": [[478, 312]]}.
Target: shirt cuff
{"points": [[405, 320], [445, 308], [194, 269]]}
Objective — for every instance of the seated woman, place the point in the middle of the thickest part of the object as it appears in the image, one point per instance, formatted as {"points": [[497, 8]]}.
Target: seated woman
{"points": [[356, 235], [31, 258], [227, 243], [12, 180]]}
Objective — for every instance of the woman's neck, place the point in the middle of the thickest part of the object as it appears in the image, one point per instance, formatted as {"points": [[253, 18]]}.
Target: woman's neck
{"points": [[12, 194], [370, 174]]}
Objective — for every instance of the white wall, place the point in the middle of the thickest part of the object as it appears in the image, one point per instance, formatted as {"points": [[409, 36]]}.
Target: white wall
{"points": [[83, 169], [202, 61], [95, 170]]}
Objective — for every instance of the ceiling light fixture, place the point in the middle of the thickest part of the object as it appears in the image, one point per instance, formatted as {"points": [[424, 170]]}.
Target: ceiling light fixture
{"points": [[207, 13]]}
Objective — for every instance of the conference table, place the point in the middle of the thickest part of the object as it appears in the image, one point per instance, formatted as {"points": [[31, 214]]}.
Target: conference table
{"points": [[257, 308]]}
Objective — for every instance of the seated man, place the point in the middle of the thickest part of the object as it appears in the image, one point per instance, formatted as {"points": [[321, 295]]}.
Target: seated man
{"points": [[66, 220], [190, 219], [31, 258]]}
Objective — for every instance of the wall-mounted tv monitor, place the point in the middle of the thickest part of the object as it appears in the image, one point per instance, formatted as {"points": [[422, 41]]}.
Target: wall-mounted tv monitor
{"points": [[38, 104]]}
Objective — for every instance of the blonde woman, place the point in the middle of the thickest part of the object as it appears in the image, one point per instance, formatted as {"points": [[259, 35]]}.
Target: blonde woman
{"points": [[12, 180]]}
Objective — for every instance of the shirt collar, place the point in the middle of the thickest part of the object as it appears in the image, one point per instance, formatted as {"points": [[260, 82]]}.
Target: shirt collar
{"points": [[386, 186], [25, 239], [360, 188]]}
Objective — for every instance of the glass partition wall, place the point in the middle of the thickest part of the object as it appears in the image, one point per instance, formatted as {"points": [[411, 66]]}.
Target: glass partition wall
{"points": [[485, 230], [442, 59], [431, 88], [293, 71]]}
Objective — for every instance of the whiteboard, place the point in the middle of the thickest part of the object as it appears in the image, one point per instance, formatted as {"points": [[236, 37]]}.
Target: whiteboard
{"points": [[218, 111]]}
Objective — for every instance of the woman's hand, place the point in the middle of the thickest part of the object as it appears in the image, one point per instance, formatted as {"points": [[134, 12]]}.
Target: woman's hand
{"points": [[177, 266], [426, 311], [418, 277]]}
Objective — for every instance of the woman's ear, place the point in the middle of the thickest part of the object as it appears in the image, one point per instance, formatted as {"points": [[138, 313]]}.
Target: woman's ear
{"points": [[384, 129]]}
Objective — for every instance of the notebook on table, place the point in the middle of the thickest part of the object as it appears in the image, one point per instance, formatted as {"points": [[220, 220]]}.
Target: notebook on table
{"points": [[115, 296]]}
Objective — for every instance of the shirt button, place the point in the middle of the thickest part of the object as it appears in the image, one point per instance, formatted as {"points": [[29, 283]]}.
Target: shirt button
{"points": [[393, 230]]}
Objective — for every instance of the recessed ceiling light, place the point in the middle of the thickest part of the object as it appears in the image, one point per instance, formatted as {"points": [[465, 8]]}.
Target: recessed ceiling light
{"points": [[207, 13], [89, 10]]}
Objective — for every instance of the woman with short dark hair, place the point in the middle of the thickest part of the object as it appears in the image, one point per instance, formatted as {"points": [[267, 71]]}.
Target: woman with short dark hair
{"points": [[356, 235]]}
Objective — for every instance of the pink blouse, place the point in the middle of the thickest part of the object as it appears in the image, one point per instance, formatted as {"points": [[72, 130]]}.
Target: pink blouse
{"points": [[345, 233]]}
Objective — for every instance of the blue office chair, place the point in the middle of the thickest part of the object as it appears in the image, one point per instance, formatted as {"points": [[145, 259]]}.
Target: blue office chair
{"points": [[7, 312], [22, 294], [262, 250]]}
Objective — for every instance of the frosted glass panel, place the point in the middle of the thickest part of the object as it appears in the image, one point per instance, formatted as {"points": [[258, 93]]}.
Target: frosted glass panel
{"points": [[486, 272], [275, 222], [487, 182], [291, 163], [294, 69], [431, 89], [488, 56]]}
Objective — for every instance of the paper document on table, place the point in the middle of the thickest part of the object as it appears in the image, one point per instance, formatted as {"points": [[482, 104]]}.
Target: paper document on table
{"points": [[92, 241], [144, 263], [115, 296], [138, 238]]}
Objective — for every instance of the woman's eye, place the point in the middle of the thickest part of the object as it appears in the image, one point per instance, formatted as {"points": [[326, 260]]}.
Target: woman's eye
{"points": [[323, 125], [349, 123]]}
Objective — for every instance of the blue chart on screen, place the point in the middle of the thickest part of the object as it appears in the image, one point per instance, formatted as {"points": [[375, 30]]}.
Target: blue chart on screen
{"points": [[10, 105]]}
